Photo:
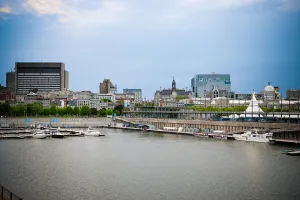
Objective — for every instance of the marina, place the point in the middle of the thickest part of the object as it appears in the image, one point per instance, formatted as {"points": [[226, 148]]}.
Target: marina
{"points": [[157, 166]]}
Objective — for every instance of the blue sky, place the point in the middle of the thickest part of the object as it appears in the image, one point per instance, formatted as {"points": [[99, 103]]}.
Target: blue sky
{"points": [[143, 44]]}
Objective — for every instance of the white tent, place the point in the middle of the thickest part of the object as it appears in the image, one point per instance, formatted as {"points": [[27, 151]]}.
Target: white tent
{"points": [[213, 102], [253, 109]]}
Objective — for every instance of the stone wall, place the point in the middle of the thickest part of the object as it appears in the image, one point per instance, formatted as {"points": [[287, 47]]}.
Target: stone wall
{"points": [[215, 125], [54, 121]]}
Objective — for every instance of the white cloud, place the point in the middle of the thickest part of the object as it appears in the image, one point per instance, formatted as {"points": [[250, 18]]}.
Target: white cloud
{"points": [[5, 9], [213, 4], [74, 12], [44, 7]]}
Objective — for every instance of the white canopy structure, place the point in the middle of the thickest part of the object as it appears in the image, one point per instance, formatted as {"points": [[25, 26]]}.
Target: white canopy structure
{"points": [[253, 109], [213, 102]]}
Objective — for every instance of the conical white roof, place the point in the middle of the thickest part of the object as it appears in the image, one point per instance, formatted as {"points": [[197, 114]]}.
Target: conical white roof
{"points": [[253, 107]]}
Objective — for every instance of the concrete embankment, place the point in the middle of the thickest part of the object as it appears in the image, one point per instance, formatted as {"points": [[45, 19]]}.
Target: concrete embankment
{"points": [[74, 122], [205, 124]]}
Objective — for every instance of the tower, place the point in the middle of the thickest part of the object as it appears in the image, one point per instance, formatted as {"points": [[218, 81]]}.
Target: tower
{"points": [[173, 84]]}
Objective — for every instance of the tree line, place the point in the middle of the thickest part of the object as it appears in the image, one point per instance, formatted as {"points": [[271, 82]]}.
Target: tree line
{"points": [[37, 109]]}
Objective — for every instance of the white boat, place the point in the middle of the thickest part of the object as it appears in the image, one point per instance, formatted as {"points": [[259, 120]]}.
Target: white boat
{"points": [[242, 137], [39, 134], [219, 134], [91, 132], [254, 135], [56, 134]]}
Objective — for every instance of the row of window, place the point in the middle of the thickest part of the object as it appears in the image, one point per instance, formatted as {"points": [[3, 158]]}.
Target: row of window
{"points": [[38, 74]]}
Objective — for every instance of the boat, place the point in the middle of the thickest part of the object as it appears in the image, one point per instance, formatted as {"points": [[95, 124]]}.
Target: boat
{"points": [[293, 153], [92, 132], [39, 134], [219, 134], [242, 137], [230, 137], [56, 134], [290, 150], [254, 135]]}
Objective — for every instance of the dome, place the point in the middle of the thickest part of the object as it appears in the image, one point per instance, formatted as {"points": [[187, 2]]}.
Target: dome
{"points": [[269, 88]]}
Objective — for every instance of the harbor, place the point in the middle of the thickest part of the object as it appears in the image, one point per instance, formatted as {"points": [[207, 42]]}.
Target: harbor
{"points": [[153, 163]]}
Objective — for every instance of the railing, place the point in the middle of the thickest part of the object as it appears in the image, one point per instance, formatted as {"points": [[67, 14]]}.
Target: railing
{"points": [[6, 194]]}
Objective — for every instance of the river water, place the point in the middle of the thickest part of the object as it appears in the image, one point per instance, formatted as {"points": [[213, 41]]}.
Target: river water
{"points": [[130, 165]]}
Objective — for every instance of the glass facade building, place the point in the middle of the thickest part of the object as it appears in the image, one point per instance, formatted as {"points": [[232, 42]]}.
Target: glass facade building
{"points": [[137, 94], [211, 85], [42, 77]]}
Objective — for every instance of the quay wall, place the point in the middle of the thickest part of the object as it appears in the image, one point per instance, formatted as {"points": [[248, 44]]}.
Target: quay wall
{"points": [[55, 121], [206, 124]]}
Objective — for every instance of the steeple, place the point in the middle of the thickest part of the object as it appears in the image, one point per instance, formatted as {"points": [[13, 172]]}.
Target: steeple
{"points": [[173, 84]]}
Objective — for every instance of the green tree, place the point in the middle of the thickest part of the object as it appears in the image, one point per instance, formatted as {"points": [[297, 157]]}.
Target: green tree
{"points": [[52, 110], [60, 111], [138, 104], [4, 109], [21, 109], [85, 110], [37, 108], [109, 112], [105, 100], [150, 104], [178, 98], [102, 113], [117, 112], [76, 110], [46, 111], [13, 111], [93, 111], [69, 111]]}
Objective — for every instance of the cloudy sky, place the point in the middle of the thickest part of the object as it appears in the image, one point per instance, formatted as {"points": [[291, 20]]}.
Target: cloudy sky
{"points": [[143, 44]]}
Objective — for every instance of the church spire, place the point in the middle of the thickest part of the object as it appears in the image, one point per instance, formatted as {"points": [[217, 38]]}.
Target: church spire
{"points": [[173, 84]]}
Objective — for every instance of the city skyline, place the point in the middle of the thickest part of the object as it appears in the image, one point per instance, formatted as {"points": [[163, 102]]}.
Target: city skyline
{"points": [[143, 45]]}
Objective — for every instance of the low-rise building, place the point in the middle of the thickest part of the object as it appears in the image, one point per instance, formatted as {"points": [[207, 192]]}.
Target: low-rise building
{"points": [[82, 102], [110, 97], [167, 97]]}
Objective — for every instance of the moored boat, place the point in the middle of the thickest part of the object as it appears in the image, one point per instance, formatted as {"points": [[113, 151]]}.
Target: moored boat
{"points": [[39, 134], [254, 135], [56, 134], [92, 132]]}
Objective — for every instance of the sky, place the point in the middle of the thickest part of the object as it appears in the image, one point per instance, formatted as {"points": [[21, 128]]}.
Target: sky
{"points": [[143, 44]]}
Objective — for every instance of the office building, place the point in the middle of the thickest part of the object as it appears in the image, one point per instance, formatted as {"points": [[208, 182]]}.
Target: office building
{"points": [[11, 81], [211, 85], [137, 94], [40, 77], [293, 94]]}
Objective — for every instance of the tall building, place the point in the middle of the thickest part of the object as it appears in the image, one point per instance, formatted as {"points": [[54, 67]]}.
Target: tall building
{"points": [[11, 81], [107, 87], [293, 94], [40, 77], [137, 94], [211, 85]]}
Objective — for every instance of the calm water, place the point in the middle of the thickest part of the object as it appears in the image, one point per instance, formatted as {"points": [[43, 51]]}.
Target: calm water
{"points": [[148, 166]]}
